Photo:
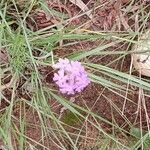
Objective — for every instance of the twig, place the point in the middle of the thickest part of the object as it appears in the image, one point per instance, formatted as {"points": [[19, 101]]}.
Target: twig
{"points": [[7, 85]]}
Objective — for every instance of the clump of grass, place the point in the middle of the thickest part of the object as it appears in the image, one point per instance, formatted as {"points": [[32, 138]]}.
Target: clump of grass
{"points": [[18, 53], [21, 43], [140, 139]]}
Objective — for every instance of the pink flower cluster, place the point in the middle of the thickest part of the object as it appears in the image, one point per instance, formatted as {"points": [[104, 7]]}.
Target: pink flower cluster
{"points": [[71, 76]]}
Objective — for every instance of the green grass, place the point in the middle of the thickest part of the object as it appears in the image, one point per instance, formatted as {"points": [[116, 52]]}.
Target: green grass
{"points": [[32, 121]]}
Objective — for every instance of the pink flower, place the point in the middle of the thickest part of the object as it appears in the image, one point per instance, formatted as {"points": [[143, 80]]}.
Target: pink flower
{"points": [[71, 76]]}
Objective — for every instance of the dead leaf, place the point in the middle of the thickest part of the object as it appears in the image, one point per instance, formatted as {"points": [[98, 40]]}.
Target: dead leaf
{"points": [[3, 55], [82, 6]]}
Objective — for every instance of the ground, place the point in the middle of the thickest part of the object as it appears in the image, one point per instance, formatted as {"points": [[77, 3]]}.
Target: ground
{"points": [[117, 108]]}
